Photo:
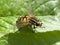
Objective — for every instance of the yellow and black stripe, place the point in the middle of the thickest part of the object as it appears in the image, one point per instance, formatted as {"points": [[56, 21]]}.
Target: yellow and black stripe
{"points": [[23, 19]]}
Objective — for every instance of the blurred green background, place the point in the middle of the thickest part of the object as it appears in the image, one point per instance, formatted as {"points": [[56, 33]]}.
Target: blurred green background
{"points": [[19, 7], [48, 11]]}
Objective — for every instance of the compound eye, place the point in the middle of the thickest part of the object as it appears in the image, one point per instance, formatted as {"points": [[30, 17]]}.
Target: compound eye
{"points": [[38, 23]]}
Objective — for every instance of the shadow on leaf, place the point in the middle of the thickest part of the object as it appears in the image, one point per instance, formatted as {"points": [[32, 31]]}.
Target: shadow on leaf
{"points": [[47, 38]]}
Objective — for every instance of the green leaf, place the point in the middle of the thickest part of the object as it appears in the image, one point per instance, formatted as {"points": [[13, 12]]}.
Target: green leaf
{"points": [[19, 7], [10, 10], [43, 36]]}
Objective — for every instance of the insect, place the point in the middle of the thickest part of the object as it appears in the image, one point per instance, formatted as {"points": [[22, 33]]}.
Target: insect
{"points": [[28, 20]]}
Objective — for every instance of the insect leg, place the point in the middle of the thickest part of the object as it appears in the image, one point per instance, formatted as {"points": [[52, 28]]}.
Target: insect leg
{"points": [[34, 27]]}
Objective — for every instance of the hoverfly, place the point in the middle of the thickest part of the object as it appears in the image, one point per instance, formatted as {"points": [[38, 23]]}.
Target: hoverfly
{"points": [[28, 20]]}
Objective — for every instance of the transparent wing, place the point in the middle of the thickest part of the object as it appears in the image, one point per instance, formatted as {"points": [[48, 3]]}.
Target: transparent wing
{"points": [[30, 10]]}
